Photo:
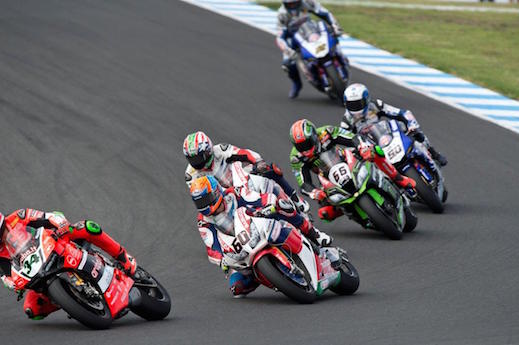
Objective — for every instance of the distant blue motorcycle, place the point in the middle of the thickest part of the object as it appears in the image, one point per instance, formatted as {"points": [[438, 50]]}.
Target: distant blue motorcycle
{"points": [[410, 158], [320, 58]]}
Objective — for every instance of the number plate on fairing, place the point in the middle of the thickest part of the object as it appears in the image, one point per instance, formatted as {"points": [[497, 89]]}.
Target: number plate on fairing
{"points": [[340, 174], [395, 151], [32, 264]]}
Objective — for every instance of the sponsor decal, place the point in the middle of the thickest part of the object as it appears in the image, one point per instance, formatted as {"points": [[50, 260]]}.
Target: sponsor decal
{"points": [[71, 261], [97, 266]]}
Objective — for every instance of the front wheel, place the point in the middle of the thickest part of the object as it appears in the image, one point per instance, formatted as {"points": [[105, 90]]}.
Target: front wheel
{"points": [[337, 84], [149, 299], [282, 282], [380, 220], [425, 191], [91, 311]]}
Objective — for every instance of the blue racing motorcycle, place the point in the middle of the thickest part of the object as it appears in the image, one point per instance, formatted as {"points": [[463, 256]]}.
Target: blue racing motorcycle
{"points": [[320, 58], [410, 158]]}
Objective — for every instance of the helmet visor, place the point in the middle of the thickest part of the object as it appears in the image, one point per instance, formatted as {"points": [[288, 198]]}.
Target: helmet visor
{"points": [[205, 201], [308, 144], [292, 5], [356, 105], [199, 161]]}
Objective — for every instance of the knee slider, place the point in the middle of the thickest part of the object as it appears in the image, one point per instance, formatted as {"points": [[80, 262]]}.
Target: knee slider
{"points": [[93, 228]]}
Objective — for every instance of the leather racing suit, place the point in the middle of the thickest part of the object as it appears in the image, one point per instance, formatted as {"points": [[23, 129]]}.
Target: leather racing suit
{"points": [[272, 203], [287, 26], [37, 305], [378, 109], [330, 136], [226, 154]]}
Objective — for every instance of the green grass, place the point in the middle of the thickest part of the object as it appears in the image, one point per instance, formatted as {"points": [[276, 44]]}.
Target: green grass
{"points": [[476, 46]]}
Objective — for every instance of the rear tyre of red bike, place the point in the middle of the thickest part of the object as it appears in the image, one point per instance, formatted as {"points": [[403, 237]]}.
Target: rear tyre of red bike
{"points": [[153, 301]]}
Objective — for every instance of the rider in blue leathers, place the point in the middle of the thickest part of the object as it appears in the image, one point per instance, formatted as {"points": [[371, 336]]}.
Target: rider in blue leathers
{"points": [[291, 15]]}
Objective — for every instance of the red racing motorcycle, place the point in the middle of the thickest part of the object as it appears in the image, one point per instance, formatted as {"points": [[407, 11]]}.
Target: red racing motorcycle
{"points": [[89, 286]]}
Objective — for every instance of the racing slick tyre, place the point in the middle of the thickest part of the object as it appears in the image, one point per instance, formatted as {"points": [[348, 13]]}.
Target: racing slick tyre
{"points": [[380, 220], [338, 86], [149, 299], [282, 282], [93, 314], [425, 192], [410, 219], [349, 282]]}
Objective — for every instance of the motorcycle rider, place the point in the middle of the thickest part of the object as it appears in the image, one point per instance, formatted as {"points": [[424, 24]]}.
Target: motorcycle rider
{"points": [[216, 213], [37, 305], [206, 159], [310, 141], [291, 15], [361, 110]]}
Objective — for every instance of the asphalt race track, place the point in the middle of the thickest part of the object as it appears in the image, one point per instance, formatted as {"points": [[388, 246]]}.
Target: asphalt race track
{"points": [[96, 98]]}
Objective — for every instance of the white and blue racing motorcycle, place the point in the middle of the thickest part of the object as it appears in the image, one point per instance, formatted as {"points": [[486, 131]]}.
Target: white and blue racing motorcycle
{"points": [[410, 158], [320, 58]]}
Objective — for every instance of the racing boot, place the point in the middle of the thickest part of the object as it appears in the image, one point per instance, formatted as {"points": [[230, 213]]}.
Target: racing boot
{"points": [[301, 204], [297, 85], [320, 238], [329, 213], [127, 262], [437, 156], [37, 306], [404, 181]]}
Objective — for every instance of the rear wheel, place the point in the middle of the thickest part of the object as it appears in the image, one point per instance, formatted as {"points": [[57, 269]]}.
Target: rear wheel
{"points": [[349, 279], [154, 302], [425, 191], [410, 219], [337, 84], [380, 220], [92, 312], [302, 293]]}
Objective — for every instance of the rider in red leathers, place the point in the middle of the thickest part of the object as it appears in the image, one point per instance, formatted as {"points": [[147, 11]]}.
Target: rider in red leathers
{"points": [[37, 305]]}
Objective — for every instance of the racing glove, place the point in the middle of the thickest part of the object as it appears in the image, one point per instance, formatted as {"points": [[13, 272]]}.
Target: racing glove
{"points": [[366, 152], [60, 222], [8, 283], [317, 194], [265, 211]]}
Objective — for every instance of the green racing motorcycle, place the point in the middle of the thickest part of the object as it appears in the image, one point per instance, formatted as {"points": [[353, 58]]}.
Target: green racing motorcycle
{"points": [[364, 193]]}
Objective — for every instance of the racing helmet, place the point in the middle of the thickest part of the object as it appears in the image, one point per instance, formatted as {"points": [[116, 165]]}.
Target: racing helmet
{"points": [[303, 136], [356, 100], [207, 194], [292, 6], [198, 150]]}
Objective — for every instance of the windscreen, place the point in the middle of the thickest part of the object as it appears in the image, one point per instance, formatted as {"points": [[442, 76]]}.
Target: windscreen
{"points": [[20, 242], [379, 133], [310, 31], [328, 159]]}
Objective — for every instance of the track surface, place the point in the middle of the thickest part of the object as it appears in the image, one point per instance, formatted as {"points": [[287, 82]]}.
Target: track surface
{"points": [[96, 98]]}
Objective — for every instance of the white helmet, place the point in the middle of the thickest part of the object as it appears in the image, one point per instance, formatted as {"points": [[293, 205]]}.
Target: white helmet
{"points": [[356, 100]]}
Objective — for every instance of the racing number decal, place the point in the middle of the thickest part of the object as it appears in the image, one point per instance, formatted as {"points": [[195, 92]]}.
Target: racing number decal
{"points": [[340, 174], [241, 239], [391, 153], [28, 263]]}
